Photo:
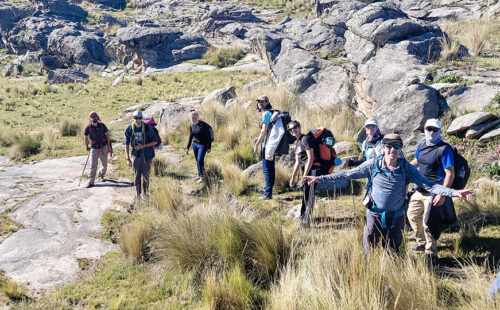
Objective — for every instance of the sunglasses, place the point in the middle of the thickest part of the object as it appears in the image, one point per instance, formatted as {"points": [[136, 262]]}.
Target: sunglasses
{"points": [[434, 129], [396, 146], [137, 117], [292, 128], [370, 126]]}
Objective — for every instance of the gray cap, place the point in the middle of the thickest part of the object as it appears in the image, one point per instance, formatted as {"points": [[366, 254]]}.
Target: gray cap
{"points": [[137, 114]]}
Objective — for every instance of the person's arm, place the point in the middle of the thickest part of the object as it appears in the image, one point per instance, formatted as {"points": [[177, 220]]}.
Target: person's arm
{"points": [[151, 135], [258, 140], [414, 162], [449, 171], [210, 136], [423, 182], [190, 139], [127, 147], [310, 161], [86, 141], [363, 171], [295, 170]]}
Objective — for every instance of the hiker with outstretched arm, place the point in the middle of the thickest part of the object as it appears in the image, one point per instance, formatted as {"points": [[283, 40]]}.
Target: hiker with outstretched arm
{"points": [[268, 167], [202, 136], [97, 134], [388, 178], [141, 137], [434, 160], [304, 158]]}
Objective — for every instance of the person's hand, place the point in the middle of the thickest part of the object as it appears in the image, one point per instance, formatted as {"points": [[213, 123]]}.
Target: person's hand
{"points": [[438, 200], [465, 194], [208, 151], [255, 148], [129, 162], [310, 179], [292, 182], [110, 154], [187, 150], [139, 146], [88, 149]]}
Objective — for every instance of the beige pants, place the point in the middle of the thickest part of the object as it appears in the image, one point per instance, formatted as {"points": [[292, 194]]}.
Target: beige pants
{"points": [[95, 155], [417, 208]]}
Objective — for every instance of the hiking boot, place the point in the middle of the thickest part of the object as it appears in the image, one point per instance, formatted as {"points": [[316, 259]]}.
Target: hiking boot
{"points": [[200, 179], [417, 247], [89, 185], [195, 178], [264, 197], [102, 179]]}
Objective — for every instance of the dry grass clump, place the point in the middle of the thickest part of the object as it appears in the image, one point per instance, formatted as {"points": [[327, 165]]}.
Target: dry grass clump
{"points": [[449, 47], [70, 128], [237, 181], [50, 140], [213, 240], [25, 145], [178, 136], [5, 140], [215, 114], [223, 57], [335, 274], [134, 241], [166, 196], [13, 290], [230, 291], [243, 155], [282, 178], [159, 165]]}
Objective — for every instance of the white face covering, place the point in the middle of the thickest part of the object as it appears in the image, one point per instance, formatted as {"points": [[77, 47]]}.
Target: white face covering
{"points": [[432, 139]]}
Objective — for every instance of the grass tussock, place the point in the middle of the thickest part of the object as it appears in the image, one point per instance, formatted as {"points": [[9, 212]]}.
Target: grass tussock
{"points": [[134, 241], [166, 196], [159, 166], [25, 146], [230, 291], [50, 140], [213, 240], [449, 47], [70, 128], [5, 140], [237, 181], [13, 290], [215, 114], [213, 174], [223, 57], [243, 155], [282, 178]]}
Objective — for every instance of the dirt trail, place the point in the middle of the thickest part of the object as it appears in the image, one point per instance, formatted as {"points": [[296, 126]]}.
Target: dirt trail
{"points": [[60, 220]]}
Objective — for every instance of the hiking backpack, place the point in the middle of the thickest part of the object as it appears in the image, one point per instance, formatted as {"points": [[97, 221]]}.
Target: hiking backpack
{"points": [[323, 149], [462, 170], [287, 139], [98, 133]]}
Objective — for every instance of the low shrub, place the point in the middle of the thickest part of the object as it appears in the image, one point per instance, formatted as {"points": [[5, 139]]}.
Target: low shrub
{"points": [[223, 57], [70, 128], [451, 78], [25, 146], [134, 241]]}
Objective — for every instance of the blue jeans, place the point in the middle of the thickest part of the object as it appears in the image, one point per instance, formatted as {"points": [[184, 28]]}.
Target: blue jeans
{"points": [[199, 154], [269, 171]]}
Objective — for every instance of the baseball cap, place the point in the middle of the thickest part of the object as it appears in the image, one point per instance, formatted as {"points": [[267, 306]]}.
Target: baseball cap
{"points": [[262, 98], [137, 114], [433, 122], [392, 138], [371, 121]]}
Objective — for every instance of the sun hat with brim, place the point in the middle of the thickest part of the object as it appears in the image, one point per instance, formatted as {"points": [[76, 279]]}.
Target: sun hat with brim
{"points": [[433, 122], [137, 114], [392, 138], [371, 121]]}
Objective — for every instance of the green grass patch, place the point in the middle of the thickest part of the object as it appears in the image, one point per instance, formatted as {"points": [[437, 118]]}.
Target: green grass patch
{"points": [[223, 57]]}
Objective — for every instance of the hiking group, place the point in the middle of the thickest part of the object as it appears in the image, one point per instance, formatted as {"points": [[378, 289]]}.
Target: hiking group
{"points": [[437, 171]]}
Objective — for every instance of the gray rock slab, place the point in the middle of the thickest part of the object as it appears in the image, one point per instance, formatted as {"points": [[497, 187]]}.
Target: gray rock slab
{"points": [[494, 134], [221, 95], [343, 147], [60, 220], [479, 130], [473, 98], [464, 122]]}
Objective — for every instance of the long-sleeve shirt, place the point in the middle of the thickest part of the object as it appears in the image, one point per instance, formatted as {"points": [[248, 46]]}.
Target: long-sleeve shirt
{"points": [[389, 187], [201, 133]]}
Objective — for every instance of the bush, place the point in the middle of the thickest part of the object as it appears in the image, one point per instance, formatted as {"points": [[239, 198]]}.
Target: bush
{"points": [[134, 241], [223, 57], [70, 128], [231, 291], [452, 78], [25, 146]]}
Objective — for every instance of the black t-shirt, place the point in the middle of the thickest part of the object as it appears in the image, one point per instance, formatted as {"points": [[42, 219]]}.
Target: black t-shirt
{"points": [[201, 133], [97, 135], [304, 143]]}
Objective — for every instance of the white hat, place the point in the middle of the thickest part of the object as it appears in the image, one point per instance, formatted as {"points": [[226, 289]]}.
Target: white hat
{"points": [[137, 114], [433, 122], [371, 121]]}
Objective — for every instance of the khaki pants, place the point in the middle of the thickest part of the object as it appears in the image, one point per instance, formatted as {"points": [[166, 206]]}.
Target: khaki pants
{"points": [[417, 208], [95, 155]]}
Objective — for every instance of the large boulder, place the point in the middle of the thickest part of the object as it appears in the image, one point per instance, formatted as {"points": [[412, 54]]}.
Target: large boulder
{"points": [[477, 131], [115, 4], [221, 95], [157, 46], [12, 70], [476, 97], [63, 9], [61, 76], [314, 35], [172, 115], [462, 123], [494, 134], [10, 15], [77, 47]]}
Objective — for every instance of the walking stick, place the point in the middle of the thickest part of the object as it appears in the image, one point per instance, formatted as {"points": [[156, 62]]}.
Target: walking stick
{"points": [[84, 169]]}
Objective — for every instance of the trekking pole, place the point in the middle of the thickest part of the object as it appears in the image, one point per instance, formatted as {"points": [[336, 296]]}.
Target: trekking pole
{"points": [[84, 168]]}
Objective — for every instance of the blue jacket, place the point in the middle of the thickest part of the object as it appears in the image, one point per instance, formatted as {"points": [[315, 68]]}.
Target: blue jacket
{"points": [[149, 136]]}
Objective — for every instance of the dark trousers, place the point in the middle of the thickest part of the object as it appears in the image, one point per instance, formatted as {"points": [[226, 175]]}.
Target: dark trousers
{"points": [[373, 232], [269, 173], [199, 154], [308, 199], [142, 169]]}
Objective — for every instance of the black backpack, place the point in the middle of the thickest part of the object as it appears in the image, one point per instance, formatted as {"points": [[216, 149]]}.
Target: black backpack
{"points": [[324, 153], [462, 170]]}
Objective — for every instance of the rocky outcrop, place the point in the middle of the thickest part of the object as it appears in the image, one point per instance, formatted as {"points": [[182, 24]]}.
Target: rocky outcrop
{"points": [[61, 76], [172, 115], [10, 15], [115, 4], [476, 97], [62, 8], [156, 46], [221, 95], [462, 123]]}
